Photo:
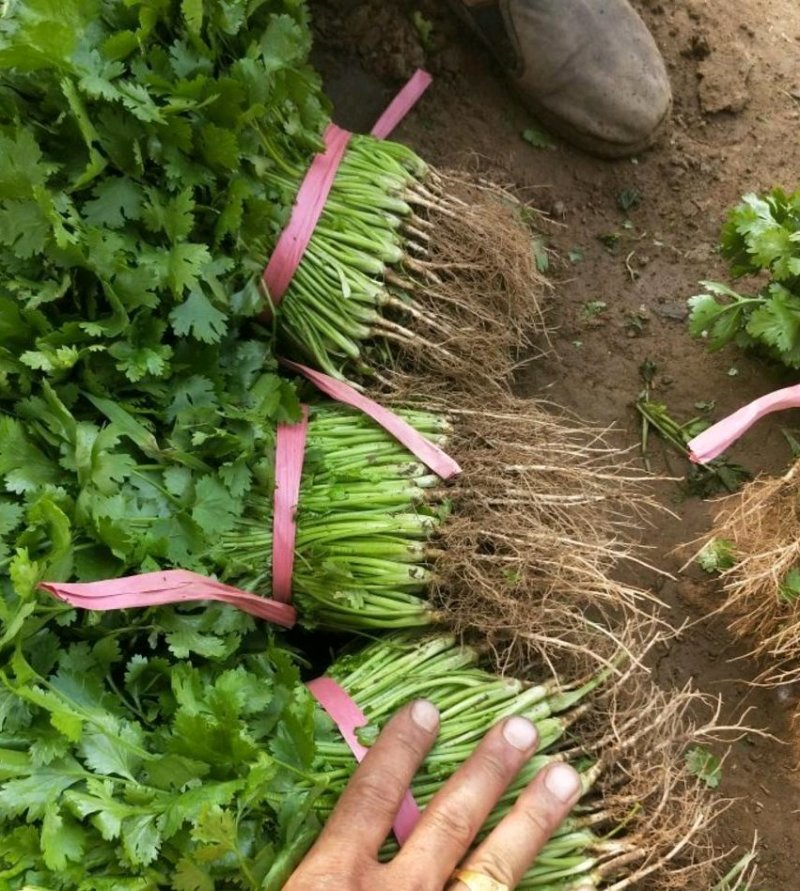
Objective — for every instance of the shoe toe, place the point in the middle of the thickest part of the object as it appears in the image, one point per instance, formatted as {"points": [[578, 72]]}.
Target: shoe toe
{"points": [[591, 70]]}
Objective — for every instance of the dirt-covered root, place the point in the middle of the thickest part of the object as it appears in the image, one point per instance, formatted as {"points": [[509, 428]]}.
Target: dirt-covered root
{"points": [[526, 464], [535, 597], [759, 530], [543, 511], [646, 795], [469, 301]]}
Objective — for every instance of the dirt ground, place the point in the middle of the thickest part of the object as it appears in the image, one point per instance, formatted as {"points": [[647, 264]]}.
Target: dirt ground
{"points": [[736, 83]]}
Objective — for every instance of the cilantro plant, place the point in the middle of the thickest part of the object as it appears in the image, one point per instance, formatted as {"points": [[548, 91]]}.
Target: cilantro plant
{"points": [[135, 407], [761, 238], [126, 766]]}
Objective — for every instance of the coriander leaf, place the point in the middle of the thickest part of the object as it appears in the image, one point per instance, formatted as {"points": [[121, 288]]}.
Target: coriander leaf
{"points": [[23, 167], [141, 839], [177, 480], [24, 228], [10, 518], [24, 466], [187, 634], [195, 392], [198, 317], [719, 323], [789, 588], [190, 876], [283, 43], [42, 788], [118, 754], [116, 200], [717, 555], [62, 839], [777, 321], [705, 766], [215, 507], [140, 103], [219, 147], [192, 11], [186, 263], [138, 362]]}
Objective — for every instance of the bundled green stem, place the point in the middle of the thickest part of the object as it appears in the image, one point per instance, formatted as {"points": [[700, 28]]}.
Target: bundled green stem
{"points": [[409, 269], [383, 543]]}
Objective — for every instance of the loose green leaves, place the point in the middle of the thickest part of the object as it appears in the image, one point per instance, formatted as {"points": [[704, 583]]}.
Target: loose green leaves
{"points": [[762, 235], [705, 766]]}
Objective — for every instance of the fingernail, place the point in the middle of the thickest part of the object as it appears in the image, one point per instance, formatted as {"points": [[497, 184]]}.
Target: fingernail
{"points": [[425, 715], [563, 782], [520, 733]]}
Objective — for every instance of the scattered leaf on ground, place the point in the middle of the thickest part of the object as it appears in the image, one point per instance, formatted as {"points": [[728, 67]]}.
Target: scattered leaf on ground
{"points": [[705, 766], [537, 137]]}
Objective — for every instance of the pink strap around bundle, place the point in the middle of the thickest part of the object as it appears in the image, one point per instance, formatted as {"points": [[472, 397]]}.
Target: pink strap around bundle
{"points": [[714, 441], [431, 455], [316, 186], [348, 717], [308, 207], [290, 449], [402, 104], [166, 588]]}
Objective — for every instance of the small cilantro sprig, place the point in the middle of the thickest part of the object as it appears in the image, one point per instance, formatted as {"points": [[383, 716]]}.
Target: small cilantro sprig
{"points": [[761, 235], [705, 766], [702, 480], [717, 555]]}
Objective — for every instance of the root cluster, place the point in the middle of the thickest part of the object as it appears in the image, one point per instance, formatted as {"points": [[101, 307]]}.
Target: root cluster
{"points": [[762, 526], [471, 299], [541, 514], [652, 812]]}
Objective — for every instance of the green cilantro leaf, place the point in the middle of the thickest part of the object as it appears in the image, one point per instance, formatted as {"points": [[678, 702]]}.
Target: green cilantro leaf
{"points": [[717, 555], [705, 766], [198, 317], [116, 200], [62, 840]]}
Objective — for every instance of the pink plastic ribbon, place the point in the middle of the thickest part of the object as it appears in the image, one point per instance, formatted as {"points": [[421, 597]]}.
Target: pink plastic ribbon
{"points": [[165, 588], [348, 717], [713, 442], [290, 448], [402, 103], [431, 455], [308, 207], [316, 186]]}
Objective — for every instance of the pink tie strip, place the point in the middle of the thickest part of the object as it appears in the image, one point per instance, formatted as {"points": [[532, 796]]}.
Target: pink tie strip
{"points": [[402, 104], [714, 441], [348, 717], [167, 588], [431, 455], [316, 186], [290, 448], [308, 207]]}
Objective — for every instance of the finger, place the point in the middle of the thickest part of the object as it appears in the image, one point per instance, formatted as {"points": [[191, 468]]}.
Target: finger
{"points": [[369, 804], [452, 819], [508, 851]]}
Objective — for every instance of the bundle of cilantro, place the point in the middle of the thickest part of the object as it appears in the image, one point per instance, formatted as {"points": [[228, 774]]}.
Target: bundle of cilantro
{"points": [[384, 543], [409, 270], [762, 234], [124, 766]]}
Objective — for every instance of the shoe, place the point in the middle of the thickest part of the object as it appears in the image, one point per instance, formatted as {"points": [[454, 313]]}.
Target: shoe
{"points": [[588, 69]]}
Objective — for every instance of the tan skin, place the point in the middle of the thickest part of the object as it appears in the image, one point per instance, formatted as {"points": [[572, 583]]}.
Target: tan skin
{"points": [[345, 857]]}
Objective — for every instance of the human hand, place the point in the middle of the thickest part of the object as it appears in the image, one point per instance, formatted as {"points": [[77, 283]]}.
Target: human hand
{"points": [[345, 857]]}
